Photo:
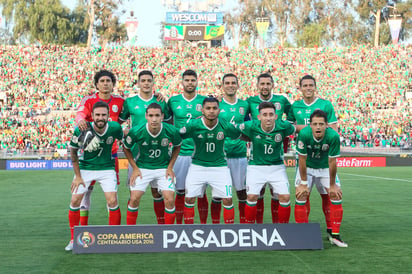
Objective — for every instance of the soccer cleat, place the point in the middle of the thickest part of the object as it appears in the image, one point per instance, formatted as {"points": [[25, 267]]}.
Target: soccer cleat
{"points": [[336, 240], [69, 246], [329, 234]]}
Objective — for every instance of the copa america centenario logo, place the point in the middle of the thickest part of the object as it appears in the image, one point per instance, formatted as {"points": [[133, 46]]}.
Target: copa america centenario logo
{"points": [[86, 239]]}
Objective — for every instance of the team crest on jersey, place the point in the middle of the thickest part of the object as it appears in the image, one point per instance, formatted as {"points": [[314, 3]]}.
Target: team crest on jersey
{"points": [[325, 147], [182, 130], [75, 139], [278, 137], [220, 135], [242, 111], [128, 139], [301, 145], [165, 142], [115, 108], [277, 106], [109, 140], [242, 127], [199, 107]]}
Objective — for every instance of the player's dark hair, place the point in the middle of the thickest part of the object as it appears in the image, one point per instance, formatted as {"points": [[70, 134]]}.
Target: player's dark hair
{"points": [[189, 72], [144, 72], [264, 105], [102, 73], [319, 113], [307, 77], [154, 106], [101, 104], [229, 75], [210, 99], [265, 75]]}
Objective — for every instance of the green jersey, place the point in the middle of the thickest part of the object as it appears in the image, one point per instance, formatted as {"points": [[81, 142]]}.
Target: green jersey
{"points": [[300, 111], [101, 159], [183, 111], [209, 142], [281, 103], [235, 114], [135, 108], [153, 150], [267, 147], [318, 152]]}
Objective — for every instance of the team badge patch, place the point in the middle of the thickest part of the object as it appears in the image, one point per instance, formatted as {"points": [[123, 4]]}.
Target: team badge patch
{"points": [[199, 107], [220, 135], [165, 142], [277, 106], [241, 111], [115, 108], [278, 138], [182, 130], [325, 147], [128, 139], [301, 145], [109, 140], [242, 127]]}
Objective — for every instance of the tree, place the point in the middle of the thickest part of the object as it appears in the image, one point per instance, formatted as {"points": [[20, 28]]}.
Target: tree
{"points": [[311, 35]]}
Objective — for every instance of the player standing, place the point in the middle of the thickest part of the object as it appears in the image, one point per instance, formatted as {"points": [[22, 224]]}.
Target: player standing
{"points": [[104, 82], [185, 107], [265, 85], [266, 161], [300, 115], [318, 147], [235, 111], [209, 166], [95, 165], [153, 162]]}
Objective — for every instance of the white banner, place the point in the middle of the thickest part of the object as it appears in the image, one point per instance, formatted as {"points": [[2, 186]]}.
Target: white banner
{"points": [[395, 27]]}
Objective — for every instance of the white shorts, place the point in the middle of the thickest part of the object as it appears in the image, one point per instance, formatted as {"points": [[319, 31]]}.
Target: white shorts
{"points": [[129, 173], [275, 176], [318, 177], [106, 178], [237, 167], [181, 168], [218, 178], [153, 177]]}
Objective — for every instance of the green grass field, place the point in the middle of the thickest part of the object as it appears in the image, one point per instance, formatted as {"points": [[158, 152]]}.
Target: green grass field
{"points": [[377, 226]]}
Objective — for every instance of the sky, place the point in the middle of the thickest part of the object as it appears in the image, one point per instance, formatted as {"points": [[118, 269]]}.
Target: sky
{"points": [[150, 13]]}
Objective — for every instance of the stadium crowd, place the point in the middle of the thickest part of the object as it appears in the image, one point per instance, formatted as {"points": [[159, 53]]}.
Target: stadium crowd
{"points": [[40, 87]]}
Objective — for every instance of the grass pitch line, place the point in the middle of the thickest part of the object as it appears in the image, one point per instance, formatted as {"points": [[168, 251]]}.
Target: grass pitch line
{"points": [[376, 177]]}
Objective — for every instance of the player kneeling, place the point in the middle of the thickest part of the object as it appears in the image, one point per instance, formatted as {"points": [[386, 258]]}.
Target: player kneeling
{"points": [[153, 165], [318, 147], [95, 164]]}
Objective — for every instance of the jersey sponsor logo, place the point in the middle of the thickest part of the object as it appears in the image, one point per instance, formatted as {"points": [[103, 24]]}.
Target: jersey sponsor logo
{"points": [[258, 137], [222, 110], [199, 107], [182, 130], [200, 136], [325, 147], [75, 139], [220, 135], [165, 142], [145, 144], [299, 112], [136, 107], [115, 108], [301, 145], [278, 137], [179, 107], [309, 146], [109, 140], [277, 106], [241, 111]]}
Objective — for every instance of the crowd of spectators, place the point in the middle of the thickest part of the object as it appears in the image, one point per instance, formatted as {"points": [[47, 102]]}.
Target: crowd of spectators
{"points": [[40, 87]]}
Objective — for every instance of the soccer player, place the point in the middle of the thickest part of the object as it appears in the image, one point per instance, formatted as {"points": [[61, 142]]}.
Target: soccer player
{"points": [[235, 111], [153, 163], [266, 164], [265, 85], [95, 165], [104, 82], [318, 147], [300, 115], [209, 166], [184, 108], [135, 109]]}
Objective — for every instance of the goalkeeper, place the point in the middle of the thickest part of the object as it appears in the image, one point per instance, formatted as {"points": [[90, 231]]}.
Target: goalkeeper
{"points": [[104, 82]]}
